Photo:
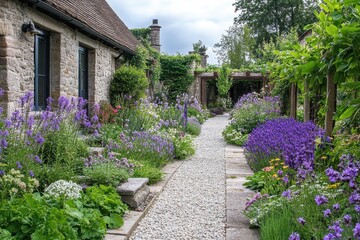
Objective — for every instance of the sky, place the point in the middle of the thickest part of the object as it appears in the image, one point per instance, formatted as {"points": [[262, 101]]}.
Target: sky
{"points": [[183, 22]]}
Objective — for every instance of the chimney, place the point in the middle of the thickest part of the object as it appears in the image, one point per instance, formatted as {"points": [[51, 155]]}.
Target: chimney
{"points": [[155, 35]]}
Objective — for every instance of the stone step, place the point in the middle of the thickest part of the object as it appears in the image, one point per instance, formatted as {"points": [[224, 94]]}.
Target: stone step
{"points": [[134, 192]]}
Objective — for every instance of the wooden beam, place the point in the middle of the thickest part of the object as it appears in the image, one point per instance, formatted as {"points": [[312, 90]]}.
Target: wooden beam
{"points": [[330, 104], [293, 100]]}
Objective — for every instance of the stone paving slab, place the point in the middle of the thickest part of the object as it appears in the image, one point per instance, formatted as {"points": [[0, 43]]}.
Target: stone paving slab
{"points": [[237, 169], [242, 234], [236, 219]]}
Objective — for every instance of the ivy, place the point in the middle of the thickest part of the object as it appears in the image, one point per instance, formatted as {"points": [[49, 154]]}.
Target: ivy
{"points": [[176, 74]]}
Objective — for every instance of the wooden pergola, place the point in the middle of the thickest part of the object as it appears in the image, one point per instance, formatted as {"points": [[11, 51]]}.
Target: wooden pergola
{"points": [[249, 76]]}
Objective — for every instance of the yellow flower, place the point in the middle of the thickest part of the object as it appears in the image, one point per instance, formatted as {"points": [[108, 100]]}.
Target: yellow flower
{"points": [[277, 159], [275, 175], [335, 185], [324, 157], [285, 166]]}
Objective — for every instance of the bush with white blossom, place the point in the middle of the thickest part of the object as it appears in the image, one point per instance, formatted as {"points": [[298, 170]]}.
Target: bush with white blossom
{"points": [[67, 189]]}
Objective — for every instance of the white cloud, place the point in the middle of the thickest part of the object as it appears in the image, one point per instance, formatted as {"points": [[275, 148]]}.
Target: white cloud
{"points": [[183, 22]]}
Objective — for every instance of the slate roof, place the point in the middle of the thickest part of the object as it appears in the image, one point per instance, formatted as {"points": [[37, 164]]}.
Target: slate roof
{"points": [[98, 16]]}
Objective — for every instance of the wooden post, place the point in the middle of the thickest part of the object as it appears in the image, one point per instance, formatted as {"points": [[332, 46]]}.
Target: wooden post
{"points": [[330, 103], [306, 102], [293, 100]]}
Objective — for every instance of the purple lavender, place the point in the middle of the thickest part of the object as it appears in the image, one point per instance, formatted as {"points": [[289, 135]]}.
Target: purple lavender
{"points": [[31, 173], [336, 206], [327, 213], [347, 219], [320, 200], [18, 165], [301, 221], [356, 231], [294, 141], [287, 194], [294, 236]]}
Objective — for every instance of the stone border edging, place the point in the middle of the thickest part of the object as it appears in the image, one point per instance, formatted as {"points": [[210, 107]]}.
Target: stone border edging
{"points": [[132, 218]]}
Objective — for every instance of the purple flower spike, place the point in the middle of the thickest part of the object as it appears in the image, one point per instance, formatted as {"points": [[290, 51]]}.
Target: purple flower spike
{"points": [[18, 165], [31, 173], [357, 208], [356, 231], [347, 219], [336, 206], [327, 213], [301, 221], [320, 200], [287, 194], [38, 160], [294, 236]]}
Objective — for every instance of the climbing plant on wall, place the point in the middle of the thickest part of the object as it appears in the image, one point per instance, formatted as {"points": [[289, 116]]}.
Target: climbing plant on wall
{"points": [[176, 74], [146, 58]]}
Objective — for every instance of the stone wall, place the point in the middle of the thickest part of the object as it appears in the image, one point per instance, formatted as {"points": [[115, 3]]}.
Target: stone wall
{"points": [[17, 56]]}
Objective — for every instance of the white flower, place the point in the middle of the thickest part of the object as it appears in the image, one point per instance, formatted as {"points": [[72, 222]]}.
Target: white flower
{"points": [[68, 189]]}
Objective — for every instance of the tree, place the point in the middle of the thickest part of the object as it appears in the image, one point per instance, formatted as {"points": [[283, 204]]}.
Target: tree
{"points": [[270, 18], [235, 47], [199, 48]]}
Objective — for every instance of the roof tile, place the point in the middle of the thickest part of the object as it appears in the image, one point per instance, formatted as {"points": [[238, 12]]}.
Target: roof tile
{"points": [[99, 16]]}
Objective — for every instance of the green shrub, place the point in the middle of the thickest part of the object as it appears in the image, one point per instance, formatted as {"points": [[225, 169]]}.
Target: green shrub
{"points": [[193, 127], [251, 111], [233, 136], [146, 170], [130, 81], [106, 173], [184, 146]]}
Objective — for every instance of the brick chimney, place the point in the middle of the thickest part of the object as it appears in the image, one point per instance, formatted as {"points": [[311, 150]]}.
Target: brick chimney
{"points": [[155, 35]]}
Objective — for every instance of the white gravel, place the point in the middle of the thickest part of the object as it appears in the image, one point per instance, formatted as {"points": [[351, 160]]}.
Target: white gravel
{"points": [[192, 205]]}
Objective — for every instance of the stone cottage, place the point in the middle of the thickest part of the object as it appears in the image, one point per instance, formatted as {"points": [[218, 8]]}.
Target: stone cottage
{"points": [[59, 47]]}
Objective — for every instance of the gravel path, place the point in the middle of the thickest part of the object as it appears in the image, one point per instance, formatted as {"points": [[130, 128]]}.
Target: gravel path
{"points": [[192, 205]]}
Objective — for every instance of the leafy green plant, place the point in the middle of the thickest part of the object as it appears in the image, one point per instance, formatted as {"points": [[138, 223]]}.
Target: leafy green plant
{"points": [[107, 200], [273, 179], [184, 146], [130, 81], [146, 170], [233, 136], [107, 173]]}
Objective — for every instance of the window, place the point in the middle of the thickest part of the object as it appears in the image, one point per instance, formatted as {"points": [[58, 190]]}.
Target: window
{"points": [[42, 79], [83, 73]]}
